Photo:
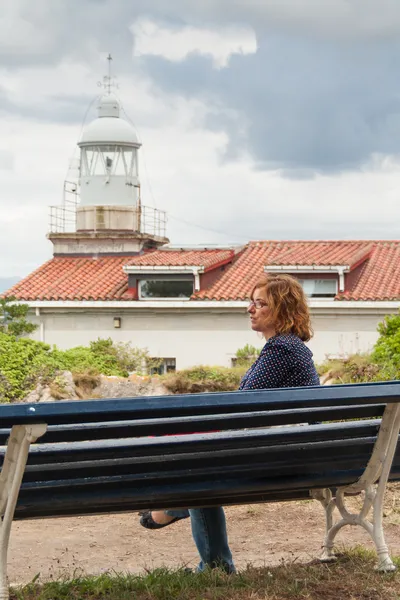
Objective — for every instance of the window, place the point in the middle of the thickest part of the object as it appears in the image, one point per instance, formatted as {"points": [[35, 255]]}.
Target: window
{"points": [[109, 160], [319, 288], [163, 366], [165, 288]]}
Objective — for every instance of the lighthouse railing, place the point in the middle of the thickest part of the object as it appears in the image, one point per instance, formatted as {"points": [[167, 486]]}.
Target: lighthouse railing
{"points": [[63, 219], [153, 221]]}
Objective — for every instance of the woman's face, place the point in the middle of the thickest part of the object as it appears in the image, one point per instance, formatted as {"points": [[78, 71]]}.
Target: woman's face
{"points": [[259, 312]]}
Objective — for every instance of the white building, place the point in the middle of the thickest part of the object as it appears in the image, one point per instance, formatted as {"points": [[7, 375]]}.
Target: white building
{"points": [[113, 273]]}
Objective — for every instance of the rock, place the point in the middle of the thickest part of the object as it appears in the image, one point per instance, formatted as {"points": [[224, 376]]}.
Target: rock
{"points": [[134, 385], [326, 377], [34, 395], [61, 388], [68, 385], [46, 395]]}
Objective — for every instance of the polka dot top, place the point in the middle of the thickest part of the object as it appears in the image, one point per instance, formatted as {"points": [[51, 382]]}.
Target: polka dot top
{"points": [[285, 361]]}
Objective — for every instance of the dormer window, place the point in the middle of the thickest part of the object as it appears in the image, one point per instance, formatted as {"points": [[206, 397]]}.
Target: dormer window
{"points": [[319, 288], [163, 282], [168, 288], [318, 280], [170, 274]]}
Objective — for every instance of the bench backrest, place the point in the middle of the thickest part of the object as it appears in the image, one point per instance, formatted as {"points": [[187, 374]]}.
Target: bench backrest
{"points": [[98, 455]]}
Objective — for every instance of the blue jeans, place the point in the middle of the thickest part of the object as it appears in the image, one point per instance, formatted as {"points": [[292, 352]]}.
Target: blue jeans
{"points": [[209, 534], [211, 539], [182, 513]]}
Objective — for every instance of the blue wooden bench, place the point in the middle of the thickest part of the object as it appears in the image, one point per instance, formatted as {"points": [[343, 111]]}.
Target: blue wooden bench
{"points": [[100, 456]]}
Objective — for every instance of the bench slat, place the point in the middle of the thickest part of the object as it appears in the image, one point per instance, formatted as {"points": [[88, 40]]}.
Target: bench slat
{"points": [[190, 444], [121, 409], [170, 426], [180, 495], [271, 460]]}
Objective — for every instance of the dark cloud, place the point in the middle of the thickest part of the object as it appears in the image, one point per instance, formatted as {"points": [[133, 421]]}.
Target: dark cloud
{"points": [[307, 105], [56, 29], [56, 109], [74, 30], [320, 95]]}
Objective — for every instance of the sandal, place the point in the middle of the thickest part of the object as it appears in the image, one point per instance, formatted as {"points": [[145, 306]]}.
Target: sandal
{"points": [[147, 521]]}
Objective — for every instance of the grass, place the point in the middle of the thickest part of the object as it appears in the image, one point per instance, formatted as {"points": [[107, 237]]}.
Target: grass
{"points": [[352, 577]]}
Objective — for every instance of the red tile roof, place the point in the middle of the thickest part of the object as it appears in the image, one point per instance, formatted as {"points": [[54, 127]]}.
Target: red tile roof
{"points": [[103, 278], [379, 277], [180, 258], [375, 264], [377, 280], [315, 253], [75, 278]]}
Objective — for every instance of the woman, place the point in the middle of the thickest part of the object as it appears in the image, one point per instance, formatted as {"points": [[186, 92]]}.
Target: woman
{"points": [[279, 311]]}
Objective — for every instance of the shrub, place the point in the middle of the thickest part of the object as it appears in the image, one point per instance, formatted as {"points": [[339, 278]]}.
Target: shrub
{"points": [[135, 360], [23, 362], [383, 364], [58, 388], [387, 348], [247, 355], [204, 379], [13, 319], [85, 382], [82, 358], [357, 368]]}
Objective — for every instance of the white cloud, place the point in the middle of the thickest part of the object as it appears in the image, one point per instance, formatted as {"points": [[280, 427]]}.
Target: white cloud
{"points": [[176, 44], [19, 35]]}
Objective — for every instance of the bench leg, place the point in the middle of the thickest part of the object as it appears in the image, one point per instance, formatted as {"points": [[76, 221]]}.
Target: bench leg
{"points": [[328, 502], [377, 470], [11, 476], [372, 499]]}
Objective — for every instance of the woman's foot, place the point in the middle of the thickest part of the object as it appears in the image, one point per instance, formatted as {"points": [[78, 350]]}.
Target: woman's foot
{"points": [[157, 519]]}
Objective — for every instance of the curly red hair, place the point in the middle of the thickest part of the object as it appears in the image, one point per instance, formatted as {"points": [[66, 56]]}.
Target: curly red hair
{"points": [[287, 304]]}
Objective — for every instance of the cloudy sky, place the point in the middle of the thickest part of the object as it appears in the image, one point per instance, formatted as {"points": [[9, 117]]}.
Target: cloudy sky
{"points": [[260, 119]]}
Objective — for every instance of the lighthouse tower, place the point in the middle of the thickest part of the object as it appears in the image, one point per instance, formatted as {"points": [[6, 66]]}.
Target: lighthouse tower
{"points": [[108, 215], [109, 175]]}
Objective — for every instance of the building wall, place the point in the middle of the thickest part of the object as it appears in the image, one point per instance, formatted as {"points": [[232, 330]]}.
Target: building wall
{"points": [[195, 337], [338, 335]]}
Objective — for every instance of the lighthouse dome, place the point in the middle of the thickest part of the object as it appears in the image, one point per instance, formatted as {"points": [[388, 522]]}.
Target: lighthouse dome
{"points": [[109, 128]]}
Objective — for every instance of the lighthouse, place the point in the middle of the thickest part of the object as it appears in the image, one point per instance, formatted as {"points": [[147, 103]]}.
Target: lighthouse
{"points": [[102, 211]]}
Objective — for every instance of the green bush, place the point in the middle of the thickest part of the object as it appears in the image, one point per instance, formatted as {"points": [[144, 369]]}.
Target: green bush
{"points": [[383, 364], [82, 358], [247, 355], [13, 319], [204, 379], [357, 368], [24, 361], [387, 348]]}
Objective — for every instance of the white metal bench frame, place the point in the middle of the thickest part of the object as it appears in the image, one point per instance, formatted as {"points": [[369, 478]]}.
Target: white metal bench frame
{"points": [[378, 468], [12, 472]]}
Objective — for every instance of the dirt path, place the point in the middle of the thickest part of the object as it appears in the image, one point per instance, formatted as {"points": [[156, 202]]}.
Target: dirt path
{"points": [[259, 534]]}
